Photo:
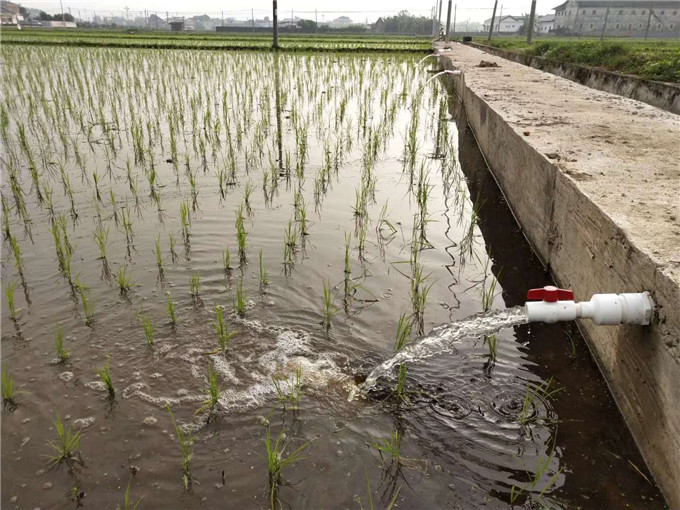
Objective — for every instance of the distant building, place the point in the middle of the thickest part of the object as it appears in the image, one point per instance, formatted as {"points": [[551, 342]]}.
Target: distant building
{"points": [[10, 14], [59, 24], [625, 18], [176, 25], [545, 24], [507, 24]]}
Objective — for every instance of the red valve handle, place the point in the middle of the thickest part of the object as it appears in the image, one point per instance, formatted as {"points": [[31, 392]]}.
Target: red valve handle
{"points": [[550, 294]]}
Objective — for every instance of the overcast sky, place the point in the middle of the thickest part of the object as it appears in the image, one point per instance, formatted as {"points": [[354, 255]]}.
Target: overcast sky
{"points": [[358, 10]]}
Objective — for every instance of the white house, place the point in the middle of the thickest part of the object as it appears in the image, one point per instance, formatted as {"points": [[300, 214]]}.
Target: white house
{"points": [[545, 24], [505, 24]]}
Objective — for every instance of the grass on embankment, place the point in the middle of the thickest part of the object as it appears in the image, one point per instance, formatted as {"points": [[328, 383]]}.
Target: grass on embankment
{"points": [[650, 59], [216, 41]]}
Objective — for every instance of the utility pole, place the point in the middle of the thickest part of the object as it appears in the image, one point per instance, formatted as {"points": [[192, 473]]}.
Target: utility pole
{"points": [[439, 17], [604, 25], [167, 19], [316, 21], [252, 16], [156, 13], [127, 15], [493, 18], [62, 11], [649, 20], [500, 20], [222, 18], [275, 25], [532, 17], [455, 8], [448, 22]]}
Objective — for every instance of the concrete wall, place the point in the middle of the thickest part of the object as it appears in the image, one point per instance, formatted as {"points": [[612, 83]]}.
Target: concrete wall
{"points": [[586, 251], [659, 94]]}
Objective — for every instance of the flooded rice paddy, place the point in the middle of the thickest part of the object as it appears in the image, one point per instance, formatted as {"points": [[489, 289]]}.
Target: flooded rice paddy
{"points": [[280, 226]]}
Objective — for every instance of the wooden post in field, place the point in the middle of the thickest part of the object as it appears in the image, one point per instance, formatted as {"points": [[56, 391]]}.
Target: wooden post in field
{"points": [[448, 22], [493, 18], [604, 26], [532, 19], [276, 25]]}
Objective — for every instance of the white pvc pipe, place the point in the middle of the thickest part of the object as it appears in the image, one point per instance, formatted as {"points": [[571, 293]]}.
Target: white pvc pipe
{"points": [[603, 309]]}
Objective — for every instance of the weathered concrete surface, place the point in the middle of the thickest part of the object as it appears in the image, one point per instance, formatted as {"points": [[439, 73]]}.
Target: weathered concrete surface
{"points": [[655, 93], [594, 180]]}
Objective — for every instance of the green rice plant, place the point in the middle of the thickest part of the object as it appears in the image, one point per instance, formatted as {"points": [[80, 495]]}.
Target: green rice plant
{"points": [[419, 293], [241, 234], [544, 462], [88, 307], [214, 394], [403, 336], [123, 280], [148, 329], [173, 253], [185, 218], [543, 391], [263, 273], [492, 342], [157, 252], [289, 388], [327, 310], [9, 294], [62, 354], [277, 461], [9, 391], [221, 326], [105, 377], [16, 249], [66, 448], [247, 192], [487, 289], [170, 306], [102, 236], [348, 270], [370, 505], [302, 218], [127, 505], [186, 443], [240, 300], [291, 235], [389, 448], [226, 258], [195, 285]]}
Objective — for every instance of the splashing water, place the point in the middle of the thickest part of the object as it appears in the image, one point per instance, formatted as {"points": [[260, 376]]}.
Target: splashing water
{"points": [[442, 338]]}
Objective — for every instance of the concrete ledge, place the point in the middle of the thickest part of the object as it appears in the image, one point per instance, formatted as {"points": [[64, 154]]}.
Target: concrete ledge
{"points": [[594, 182], [656, 93]]}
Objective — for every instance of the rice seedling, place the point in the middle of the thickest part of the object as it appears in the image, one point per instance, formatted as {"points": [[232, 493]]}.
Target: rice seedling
{"points": [[66, 448], [170, 306], [389, 448], [419, 293], [487, 289], [9, 294], [148, 329], [241, 235], [263, 273], [370, 504], [127, 505], [195, 285], [403, 336], [123, 280], [226, 261], [104, 375], [543, 391], [101, 236], [88, 307], [186, 442], [542, 469], [16, 249], [247, 192], [62, 354], [214, 394], [277, 461], [240, 300], [492, 342], [157, 252], [289, 389], [185, 218], [221, 326], [9, 390], [327, 310], [173, 253]]}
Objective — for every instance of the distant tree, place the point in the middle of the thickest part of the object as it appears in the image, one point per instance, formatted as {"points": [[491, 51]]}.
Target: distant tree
{"points": [[43, 16], [67, 17], [307, 25], [524, 27], [405, 23]]}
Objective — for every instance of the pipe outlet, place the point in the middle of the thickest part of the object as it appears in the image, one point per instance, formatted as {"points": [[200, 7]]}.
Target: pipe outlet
{"points": [[557, 305]]}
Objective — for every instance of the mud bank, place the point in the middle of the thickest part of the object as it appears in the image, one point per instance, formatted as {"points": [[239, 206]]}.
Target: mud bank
{"points": [[593, 180], [662, 95]]}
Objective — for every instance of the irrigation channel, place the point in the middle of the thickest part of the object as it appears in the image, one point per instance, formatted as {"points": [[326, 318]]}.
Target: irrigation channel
{"points": [[356, 208]]}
